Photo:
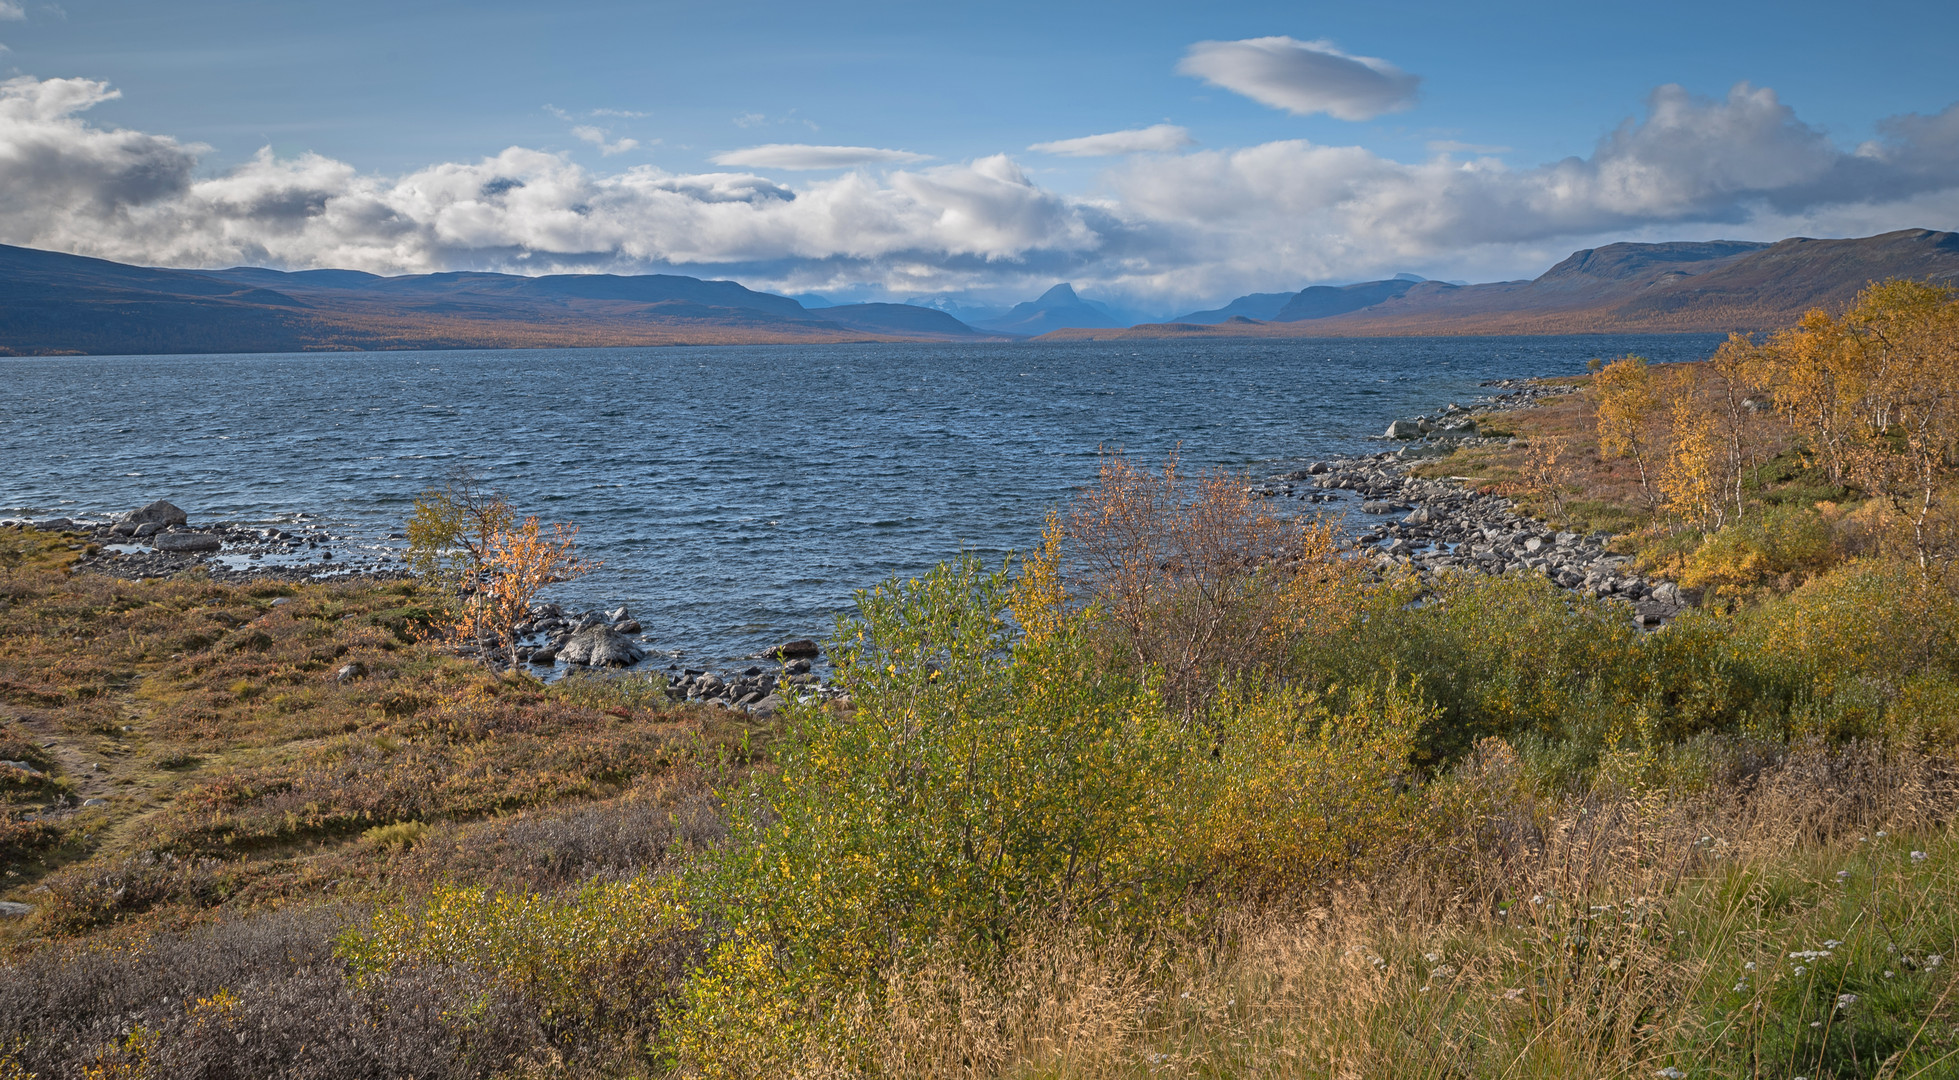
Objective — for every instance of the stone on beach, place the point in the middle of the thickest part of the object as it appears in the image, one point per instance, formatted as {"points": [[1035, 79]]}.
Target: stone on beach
{"points": [[159, 513], [600, 646], [186, 542]]}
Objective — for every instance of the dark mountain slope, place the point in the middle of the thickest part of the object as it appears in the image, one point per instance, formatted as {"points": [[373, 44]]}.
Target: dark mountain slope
{"points": [[1655, 288], [905, 319], [57, 303], [1057, 308], [1261, 306], [1326, 301]]}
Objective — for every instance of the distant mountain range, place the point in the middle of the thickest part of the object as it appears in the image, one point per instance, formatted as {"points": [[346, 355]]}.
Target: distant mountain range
{"points": [[1056, 309], [52, 303], [1715, 286]]}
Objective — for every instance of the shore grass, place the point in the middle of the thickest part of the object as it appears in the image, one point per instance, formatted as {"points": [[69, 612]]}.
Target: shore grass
{"points": [[1630, 942], [267, 743]]}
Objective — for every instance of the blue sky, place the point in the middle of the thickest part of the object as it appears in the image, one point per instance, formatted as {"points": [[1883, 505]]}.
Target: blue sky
{"points": [[1305, 143]]}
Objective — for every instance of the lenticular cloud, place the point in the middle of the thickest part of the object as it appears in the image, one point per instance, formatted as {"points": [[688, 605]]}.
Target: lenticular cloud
{"points": [[1303, 76], [1171, 225]]}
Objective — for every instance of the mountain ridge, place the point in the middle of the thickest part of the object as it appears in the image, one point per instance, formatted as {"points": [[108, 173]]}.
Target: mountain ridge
{"points": [[58, 303], [1675, 287], [1057, 308]]}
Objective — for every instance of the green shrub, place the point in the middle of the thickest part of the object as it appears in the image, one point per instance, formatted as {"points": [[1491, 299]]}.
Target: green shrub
{"points": [[988, 782], [605, 956], [1775, 548]]}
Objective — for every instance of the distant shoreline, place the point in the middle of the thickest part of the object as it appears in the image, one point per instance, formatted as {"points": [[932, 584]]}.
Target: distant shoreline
{"points": [[63, 305]]}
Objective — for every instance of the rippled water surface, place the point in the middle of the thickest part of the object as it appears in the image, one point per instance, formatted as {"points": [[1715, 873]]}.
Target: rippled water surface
{"points": [[736, 495]]}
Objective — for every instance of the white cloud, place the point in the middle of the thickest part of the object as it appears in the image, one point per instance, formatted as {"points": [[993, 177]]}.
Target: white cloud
{"points": [[802, 156], [597, 136], [1737, 166], [1302, 76], [750, 119], [623, 114], [1155, 139], [1168, 226], [12, 11]]}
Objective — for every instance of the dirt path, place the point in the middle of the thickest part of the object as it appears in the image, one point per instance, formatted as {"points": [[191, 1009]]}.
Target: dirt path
{"points": [[90, 774]]}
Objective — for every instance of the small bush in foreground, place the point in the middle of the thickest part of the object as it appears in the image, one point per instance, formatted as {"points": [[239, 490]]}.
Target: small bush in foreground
{"points": [[986, 784], [595, 963]]}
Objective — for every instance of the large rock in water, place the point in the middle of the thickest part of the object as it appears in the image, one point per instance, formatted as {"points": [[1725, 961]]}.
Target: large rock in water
{"points": [[186, 542], [600, 646], [1404, 429], [158, 513]]}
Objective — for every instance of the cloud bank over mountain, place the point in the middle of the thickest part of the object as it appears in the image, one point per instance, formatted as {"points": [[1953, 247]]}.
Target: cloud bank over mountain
{"points": [[1172, 225]]}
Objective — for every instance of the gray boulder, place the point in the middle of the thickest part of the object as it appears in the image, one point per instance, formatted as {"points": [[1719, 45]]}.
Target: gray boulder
{"points": [[601, 646], [1404, 429], [798, 648], [766, 707], [186, 542], [11, 910], [158, 512], [54, 525]]}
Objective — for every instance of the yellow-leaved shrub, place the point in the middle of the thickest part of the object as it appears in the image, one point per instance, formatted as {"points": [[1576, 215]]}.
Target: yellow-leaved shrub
{"points": [[608, 954]]}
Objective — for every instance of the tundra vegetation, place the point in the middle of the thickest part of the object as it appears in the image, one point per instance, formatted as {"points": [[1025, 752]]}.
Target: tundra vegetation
{"points": [[1186, 791]]}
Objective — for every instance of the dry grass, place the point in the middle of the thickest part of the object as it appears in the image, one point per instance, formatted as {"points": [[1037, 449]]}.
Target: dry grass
{"points": [[239, 768], [1603, 936]]}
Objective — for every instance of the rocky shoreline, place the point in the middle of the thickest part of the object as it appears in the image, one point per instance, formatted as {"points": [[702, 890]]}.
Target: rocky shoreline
{"points": [[1397, 521], [554, 638], [1431, 526], [158, 540]]}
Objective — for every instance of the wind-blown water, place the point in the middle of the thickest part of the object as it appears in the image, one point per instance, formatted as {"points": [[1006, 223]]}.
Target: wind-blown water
{"points": [[736, 495]]}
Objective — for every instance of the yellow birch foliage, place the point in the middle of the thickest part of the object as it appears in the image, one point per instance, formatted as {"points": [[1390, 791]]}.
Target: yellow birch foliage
{"points": [[1039, 600], [450, 531], [518, 562], [1876, 395], [1692, 481], [1628, 405]]}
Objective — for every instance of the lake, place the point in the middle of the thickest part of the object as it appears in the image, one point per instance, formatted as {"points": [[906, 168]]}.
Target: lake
{"points": [[735, 495]]}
